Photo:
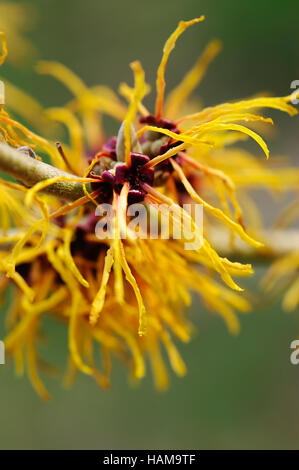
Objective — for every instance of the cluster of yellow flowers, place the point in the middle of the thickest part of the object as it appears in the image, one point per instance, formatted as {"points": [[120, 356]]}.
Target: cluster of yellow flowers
{"points": [[129, 297]]}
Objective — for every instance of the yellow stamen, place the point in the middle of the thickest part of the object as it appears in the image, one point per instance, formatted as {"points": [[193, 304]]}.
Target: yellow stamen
{"points": [[63, 74], [32, 371], [73, 331], [168, 47], [213, 210], [68, 259], [73, 125], [139, 365], [131, 279], [178, 97], [128, 93], [98, 302], [139, 92]]}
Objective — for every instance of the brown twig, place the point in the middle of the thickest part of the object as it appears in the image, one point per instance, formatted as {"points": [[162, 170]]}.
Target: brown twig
{"points": [[30, 171]]}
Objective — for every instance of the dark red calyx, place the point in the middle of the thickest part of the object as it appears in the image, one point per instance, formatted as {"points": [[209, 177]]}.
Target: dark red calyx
{"points": [[139, 172], [108, 177], [105, 191], [136, 174], [138, 159], [112, 175], [164, 123], [135, 196]]}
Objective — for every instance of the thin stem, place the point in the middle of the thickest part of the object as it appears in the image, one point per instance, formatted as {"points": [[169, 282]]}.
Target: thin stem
{"points": [[30, 171]]}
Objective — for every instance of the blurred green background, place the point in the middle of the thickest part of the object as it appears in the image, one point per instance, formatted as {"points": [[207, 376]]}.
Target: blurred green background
{"points": [[239, 392]]}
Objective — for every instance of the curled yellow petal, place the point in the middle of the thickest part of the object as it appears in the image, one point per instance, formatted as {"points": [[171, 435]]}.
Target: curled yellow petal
{"points": [[138, 94], [98, 302], [168, 47], [179, 96]]}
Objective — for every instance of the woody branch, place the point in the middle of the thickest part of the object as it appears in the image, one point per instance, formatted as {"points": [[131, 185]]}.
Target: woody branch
{"points": [[30, 171]]}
